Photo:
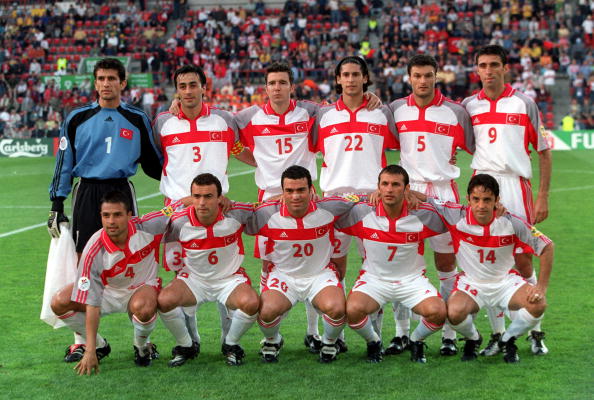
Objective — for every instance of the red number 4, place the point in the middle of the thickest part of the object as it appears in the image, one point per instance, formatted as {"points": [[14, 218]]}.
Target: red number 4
{"points": [[130, 273]]}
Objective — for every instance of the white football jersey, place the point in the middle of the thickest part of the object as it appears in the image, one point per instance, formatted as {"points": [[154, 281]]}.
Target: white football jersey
{"points": [[214, 251], [486, 252], [278, 141], [392, 246], [353, 144], [192, 147], [503, 130], [430, 135], [299, 246]]}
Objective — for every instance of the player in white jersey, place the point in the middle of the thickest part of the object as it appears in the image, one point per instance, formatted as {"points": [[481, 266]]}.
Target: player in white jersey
{"points": [[212, 271], [506, 123], [199, 139], [393, 239], [117, 273], [279, 134], [352, 140], [485, 247], [430, 130], [299, 233]]}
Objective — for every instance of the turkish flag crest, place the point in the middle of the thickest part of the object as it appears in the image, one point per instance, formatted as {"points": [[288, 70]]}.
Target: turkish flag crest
{"points": [[229, 239], [216, 136], [513, 119], [506, 240], [126, 133], [300, 127], [442, 129], [373, 128], [412, 237], [321, 231]]}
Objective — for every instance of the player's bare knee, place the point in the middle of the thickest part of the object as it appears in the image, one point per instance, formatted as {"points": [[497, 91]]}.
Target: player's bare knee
{"points": [[335, 310], [436, 312], [537, 309], [166, 302], [250, 304], [355, 312], [61, 302], [268, 313], [456, 314]]}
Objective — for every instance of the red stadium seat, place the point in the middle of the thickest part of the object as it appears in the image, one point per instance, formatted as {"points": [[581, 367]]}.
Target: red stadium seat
{"points": [[47, 67], [550, 124]]}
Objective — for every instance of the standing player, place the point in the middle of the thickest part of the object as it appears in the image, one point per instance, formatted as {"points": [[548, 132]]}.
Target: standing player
{"points": [[117, 273], [102, 143], [352, 140], [199, 139], [485, 247], [393, 240], [299, 233], [279, 135], [505, 123], [213, 253], [430, 129]]}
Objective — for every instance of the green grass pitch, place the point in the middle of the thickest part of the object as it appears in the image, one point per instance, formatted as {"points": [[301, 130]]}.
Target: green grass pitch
{"points": [[31, 352]]}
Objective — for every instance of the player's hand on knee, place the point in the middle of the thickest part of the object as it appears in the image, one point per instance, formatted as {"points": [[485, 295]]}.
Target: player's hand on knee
{"points": [[536, 294], [53, 223]]}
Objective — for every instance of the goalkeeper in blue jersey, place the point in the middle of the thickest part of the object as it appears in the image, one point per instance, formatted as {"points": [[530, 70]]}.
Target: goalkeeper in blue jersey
{"points": [[101, 143]]}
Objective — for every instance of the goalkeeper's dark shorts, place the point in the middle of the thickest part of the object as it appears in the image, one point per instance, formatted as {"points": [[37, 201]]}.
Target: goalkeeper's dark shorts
{"points": [[86, 197]]}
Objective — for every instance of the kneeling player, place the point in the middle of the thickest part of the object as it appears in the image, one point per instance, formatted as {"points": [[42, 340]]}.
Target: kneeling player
{"points": [[117, 273], [486, 245], [299, 233], [393, 237], [213, 253]]}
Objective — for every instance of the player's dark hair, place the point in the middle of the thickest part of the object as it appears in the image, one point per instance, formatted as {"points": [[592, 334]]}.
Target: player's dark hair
{"points": [[421, 60], [484, 180], [492, 50], [279, 67], [394, 169], [352, 60], [190, 69], [114, 197], [111, 63], [296, 172], [207, 179]]}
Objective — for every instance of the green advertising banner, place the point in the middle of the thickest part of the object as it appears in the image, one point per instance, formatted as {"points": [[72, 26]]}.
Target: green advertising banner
{"points": [[140, 80], [571, 140], [66, 82], [26, 147]]}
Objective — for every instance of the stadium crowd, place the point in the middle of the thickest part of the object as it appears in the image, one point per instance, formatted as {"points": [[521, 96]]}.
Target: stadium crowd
{"points": [[545, 39]]}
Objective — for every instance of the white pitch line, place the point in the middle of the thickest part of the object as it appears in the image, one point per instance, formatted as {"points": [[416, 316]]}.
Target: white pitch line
{"points": [[27, 228], [150, 196]]}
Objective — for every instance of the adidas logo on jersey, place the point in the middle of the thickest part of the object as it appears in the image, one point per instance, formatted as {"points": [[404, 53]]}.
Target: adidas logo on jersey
{"points": [[334, 130], [284, 235], [265, 130], [194, 245], [374, 235], [476, 121], [108, 119], [175, 140], [403, 127]]}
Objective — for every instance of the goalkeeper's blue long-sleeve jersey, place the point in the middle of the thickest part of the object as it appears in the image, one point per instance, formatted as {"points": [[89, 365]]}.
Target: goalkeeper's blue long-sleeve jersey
{"points": [[104, 143]]}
